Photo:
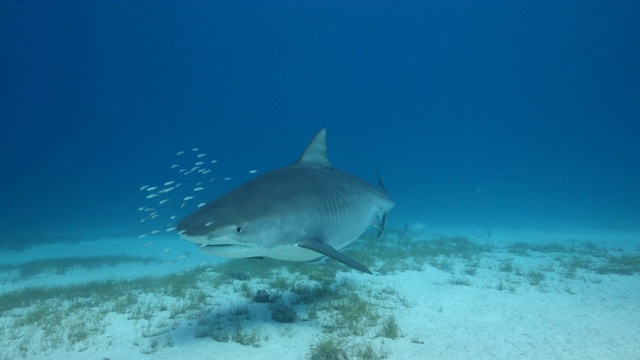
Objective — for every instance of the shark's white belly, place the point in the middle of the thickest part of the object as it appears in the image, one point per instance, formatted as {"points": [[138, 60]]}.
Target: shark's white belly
{"points": [[281, 252], [339, 233]]}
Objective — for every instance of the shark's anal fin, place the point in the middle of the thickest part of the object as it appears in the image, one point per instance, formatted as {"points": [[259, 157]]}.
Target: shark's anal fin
{"points": [[329, 251]]}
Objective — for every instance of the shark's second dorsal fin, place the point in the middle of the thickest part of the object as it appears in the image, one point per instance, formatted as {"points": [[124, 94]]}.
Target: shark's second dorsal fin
{"points": [[316, 152]]}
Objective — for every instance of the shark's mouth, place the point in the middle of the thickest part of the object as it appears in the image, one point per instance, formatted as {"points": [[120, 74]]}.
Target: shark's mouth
{"points": [[211, 242], [220, 245], [227, 246], [230, 250]]}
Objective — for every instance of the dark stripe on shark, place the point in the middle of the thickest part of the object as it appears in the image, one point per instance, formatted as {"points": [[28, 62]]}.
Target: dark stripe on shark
{"points": [[329, 251]]}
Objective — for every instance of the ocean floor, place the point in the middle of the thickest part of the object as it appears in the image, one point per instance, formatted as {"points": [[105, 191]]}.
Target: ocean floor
{"points": [[450, 294]]}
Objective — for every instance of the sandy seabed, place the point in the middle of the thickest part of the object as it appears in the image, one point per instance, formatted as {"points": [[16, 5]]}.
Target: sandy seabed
{"points": [[504, 301]]}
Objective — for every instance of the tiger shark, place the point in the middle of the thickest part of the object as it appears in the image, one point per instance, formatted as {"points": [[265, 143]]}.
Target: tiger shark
{"points": [[300, 212]]}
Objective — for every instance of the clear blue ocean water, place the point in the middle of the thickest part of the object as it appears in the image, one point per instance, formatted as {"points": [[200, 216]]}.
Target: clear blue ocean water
{"points": [[475, 113]]}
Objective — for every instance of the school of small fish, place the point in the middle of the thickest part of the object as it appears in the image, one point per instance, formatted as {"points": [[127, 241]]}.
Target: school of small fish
{"points": [[157, 195]]}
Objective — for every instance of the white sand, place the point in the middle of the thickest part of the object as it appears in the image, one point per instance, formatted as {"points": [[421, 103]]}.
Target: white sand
{"points": [[590, 317]]}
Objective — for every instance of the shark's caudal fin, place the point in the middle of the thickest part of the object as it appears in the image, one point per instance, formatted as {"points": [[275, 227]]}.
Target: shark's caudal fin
{"points": [[329, 251], [383, 220]]}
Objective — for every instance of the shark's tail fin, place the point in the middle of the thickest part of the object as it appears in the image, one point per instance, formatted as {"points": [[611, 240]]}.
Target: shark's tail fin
{"points": [[383, 220]]}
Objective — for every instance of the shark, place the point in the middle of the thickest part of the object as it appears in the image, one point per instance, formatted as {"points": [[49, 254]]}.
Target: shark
{"points": [[300, 212]]}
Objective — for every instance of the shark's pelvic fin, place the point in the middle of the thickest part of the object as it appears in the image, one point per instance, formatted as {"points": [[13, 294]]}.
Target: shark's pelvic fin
{"points": [[329, 251], [383, 220]]}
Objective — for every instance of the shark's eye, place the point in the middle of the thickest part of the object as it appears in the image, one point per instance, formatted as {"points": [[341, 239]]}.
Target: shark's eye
{"points": [[238, 229]]}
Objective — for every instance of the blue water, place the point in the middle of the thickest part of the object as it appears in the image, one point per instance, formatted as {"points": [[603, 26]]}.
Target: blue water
{"points": [[487, 113]]}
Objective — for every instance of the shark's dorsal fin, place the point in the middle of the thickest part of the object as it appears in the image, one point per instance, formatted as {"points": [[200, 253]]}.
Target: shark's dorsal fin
{"points": [[316, 152]]}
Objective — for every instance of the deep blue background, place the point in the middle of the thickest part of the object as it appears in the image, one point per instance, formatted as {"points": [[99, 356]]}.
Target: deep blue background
{"points": [[474, 112]]}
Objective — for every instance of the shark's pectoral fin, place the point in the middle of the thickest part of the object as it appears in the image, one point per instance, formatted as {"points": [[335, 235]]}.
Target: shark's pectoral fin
{"points": [[329, 251]]}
